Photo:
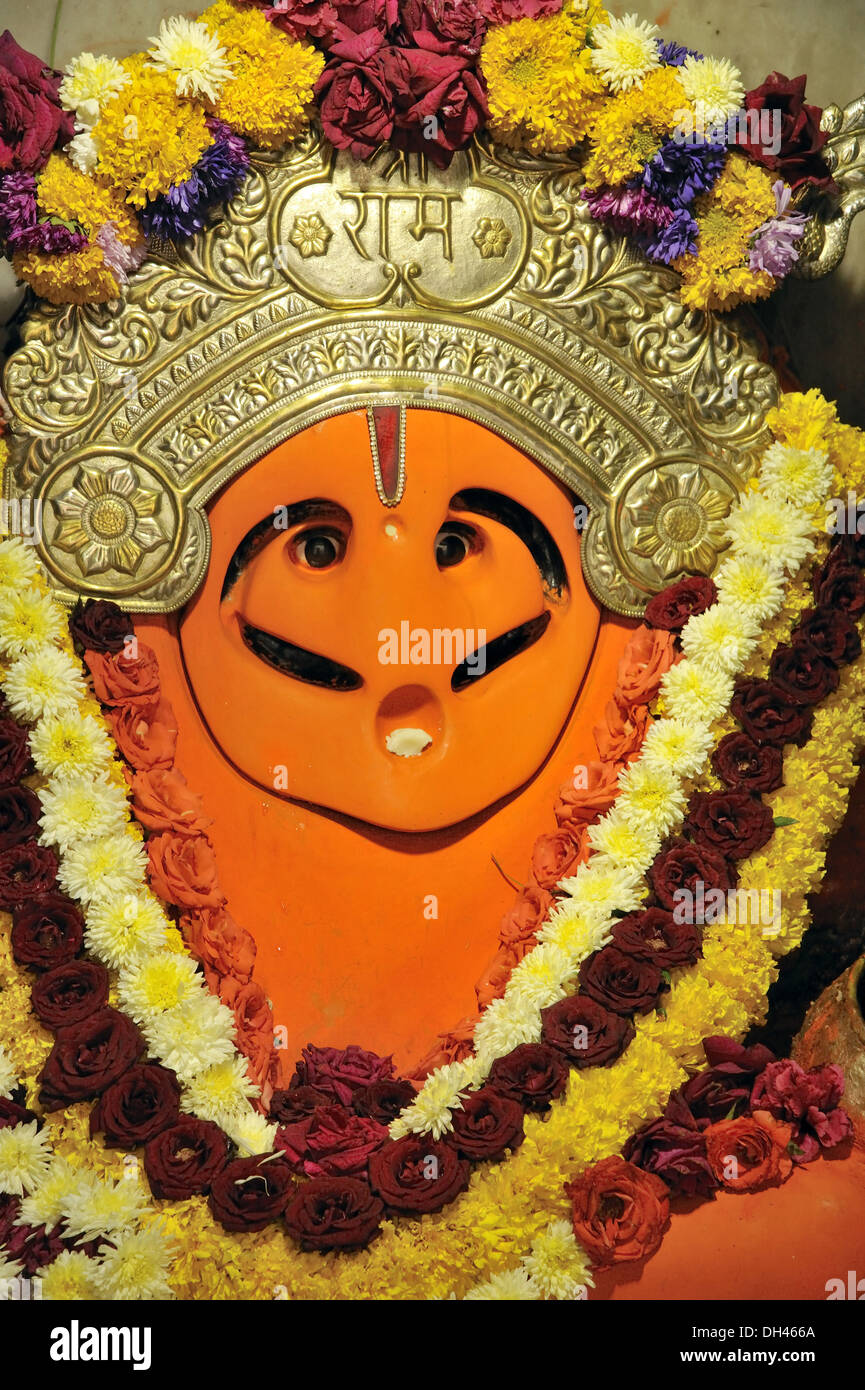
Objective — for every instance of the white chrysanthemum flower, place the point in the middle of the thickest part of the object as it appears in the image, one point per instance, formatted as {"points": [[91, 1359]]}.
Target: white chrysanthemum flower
{"points": [[511, 1286], [557, 1265], [430, 1111], [682, 747], [694, 694], [651, 796], [9, 1269], [8, 1075], [624, 51], [196, 1035], [715, 87], [99, 1206], [110, 867], [71, 745], [157, 983], [253, 1133], [762, 528], [801, 476], [43, 683], [222, 1093], [625, 841], [79, 809], [83, 151], [72, 1277], [601, 887], [89, 82], [505, 1024], [136, 1267], [539, 978], [46, 1204], [195, 57], [753, 585], [18, 565], [722, 638], [24, 1158], [28, 620], [570, 931], [122, 930]]}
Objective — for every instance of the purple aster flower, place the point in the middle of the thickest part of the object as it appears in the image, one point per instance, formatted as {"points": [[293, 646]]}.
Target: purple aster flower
{"points": [[673, 55], [679, 238], [50, 238], [679, 173], [18, 210], [628, 210], [773, 248], [219, 173]]}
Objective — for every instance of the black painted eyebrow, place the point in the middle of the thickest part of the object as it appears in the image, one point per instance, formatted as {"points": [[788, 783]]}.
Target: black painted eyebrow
{"points": [[259, 535], [524, 524]]}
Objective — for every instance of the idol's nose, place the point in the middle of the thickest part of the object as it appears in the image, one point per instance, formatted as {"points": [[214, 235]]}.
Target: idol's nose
{"points": [[409, 720]]}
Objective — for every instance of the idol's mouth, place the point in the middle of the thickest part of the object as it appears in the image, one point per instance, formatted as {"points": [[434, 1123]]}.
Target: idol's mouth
{"points": [[314, 669]]}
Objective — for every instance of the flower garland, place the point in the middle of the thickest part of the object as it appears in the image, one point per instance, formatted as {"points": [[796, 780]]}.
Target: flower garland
{"points": [[674, 152]]}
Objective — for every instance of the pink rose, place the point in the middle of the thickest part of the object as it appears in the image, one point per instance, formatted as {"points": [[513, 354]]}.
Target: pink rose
{"points": [[331, 1142]]}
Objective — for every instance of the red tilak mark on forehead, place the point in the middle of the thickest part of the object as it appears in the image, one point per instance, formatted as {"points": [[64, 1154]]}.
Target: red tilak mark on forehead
{"points": [[386, 431]]}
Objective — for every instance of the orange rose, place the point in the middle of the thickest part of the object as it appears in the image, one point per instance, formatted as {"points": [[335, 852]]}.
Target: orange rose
{"points": [[750, 1153], [645, 660], [494, 980], [555, 856], [124, 680], [620, 736], [580, 804], [223, 947], [183, 870], [146, 734], [448, 1047], [526, 915], [619, 1211], [161, 800], [253, 1019]]}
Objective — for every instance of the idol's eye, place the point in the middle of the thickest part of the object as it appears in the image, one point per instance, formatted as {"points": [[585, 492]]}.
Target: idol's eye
{"points": [[454, 542], [318, 548]]}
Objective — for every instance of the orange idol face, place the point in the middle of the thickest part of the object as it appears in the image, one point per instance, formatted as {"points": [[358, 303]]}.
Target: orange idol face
{"points": [[395, 624]]}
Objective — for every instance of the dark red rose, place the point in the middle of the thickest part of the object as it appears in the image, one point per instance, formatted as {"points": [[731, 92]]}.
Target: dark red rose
{"points": [[672, 608], [418, 1174], [508, 11], [840, 585], [14, 752], [438, 102], [618, 1211], [725, 1085], [383, 1100], [799, 159], [802, 672], [585, 1032], [46, 932], [27, 871], [334, 1214], [69, 993], [487, 1126], [184, 1159], [20, 810], [354, 97], [745, 765], [442, 26], [331, 1142], [340, 1071], [533, 1073], [289, 1107], [251, 1192], [684, 866], [11, 1113], [734, 823], [359, 16], [87, 1057], [654, 935], [626, 984], [137, 1107], [674, 1153], [809, 1100], [33, 1247], [832, 633], [100, 626], [769, 714], [302, 19], [32, 120]]}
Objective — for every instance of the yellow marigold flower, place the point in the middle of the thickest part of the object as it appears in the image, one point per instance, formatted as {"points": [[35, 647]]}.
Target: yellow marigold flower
{"points": [[633, 126], [804, 420], [81, 277], [268, 94], [66, 192], [148, 138], [543, 95], [718, 276]]}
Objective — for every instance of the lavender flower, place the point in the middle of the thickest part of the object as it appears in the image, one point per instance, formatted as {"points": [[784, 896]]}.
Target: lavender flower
{"points": [[773, 248], [678, 174], [219, 173], [121, 259], [673, 55]]}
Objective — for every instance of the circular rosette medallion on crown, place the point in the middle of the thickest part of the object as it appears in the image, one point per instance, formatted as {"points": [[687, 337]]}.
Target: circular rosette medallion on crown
{"points": [[675, 518], [108, 519]]}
